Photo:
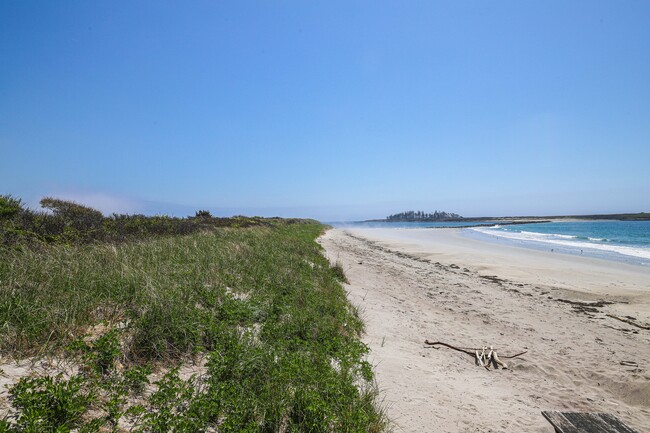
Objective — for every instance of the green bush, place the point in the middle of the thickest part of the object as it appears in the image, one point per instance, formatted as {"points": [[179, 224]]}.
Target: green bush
{"points": [[75, 222], [99, 356], [47, 404], [9, 207]]}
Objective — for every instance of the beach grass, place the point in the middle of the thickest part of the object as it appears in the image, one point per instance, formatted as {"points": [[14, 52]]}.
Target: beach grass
{"points": [[262, 303]]}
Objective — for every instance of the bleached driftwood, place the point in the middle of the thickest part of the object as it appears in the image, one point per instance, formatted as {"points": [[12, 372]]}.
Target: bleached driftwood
{"points": [[498, 362], [480, 356]]}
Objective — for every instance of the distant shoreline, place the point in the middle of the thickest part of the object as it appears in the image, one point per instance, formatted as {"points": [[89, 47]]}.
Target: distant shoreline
{"points": [[502, 223], [641, 216]]}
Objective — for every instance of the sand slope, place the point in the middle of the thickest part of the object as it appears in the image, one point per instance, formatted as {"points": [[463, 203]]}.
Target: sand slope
{"points": [[471, 294]]}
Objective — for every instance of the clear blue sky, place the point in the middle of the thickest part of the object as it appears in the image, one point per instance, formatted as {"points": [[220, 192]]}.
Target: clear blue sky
{"points": [[332, 110]]}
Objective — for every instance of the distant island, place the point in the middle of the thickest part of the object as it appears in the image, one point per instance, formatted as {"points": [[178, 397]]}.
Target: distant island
{"points": [[422, 216], [419, 216]]}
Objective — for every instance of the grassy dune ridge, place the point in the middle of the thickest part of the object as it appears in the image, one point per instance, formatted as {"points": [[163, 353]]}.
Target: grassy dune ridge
{"points": [[263, 302]]}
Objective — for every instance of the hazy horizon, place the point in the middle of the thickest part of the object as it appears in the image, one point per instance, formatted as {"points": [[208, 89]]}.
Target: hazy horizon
{"points": [[109, 205]]}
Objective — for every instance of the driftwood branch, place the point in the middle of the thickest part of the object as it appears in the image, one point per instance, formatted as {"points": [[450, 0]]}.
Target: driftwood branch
{"points": [[449, 346], [468, 351], [498, 362], [514, 356], [480, 356]]}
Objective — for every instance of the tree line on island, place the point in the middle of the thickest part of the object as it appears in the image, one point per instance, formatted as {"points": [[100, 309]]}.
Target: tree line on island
{"points": [[423, 216]]}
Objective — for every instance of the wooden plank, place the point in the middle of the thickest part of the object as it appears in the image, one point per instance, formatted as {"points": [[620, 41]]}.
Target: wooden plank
{"points": [[584, 422], [588, 422], [616, 423], [559, 421]]}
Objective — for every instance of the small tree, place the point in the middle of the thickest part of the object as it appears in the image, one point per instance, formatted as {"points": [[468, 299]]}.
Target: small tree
{"points": [[9, 207], [203, 214], [80, 222]]}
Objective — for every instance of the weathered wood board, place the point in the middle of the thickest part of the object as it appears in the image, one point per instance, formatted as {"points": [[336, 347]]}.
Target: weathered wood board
{"points": [[585, 422]]}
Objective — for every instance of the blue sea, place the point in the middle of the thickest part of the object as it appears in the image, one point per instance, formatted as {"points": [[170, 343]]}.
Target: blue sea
{"points": [[626, 241], [623, 241]]}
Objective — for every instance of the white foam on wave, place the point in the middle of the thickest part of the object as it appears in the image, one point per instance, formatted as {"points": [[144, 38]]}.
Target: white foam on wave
{"points": [[560, 240], [565, 236], [549, 235]]}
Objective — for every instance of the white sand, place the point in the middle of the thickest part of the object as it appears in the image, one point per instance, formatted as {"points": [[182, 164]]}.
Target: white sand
{"points": [[413, 285]]}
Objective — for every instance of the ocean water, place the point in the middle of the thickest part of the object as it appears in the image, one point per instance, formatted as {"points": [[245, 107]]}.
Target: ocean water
{"points": [[626, 241], [622, 241]]}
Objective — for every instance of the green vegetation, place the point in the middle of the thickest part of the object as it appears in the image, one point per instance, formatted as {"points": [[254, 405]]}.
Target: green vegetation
{"points": [[339, 272], [256, 296], [67, 222]]}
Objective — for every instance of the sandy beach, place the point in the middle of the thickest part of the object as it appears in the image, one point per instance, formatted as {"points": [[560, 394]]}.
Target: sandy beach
{"points": [[581, 320]]}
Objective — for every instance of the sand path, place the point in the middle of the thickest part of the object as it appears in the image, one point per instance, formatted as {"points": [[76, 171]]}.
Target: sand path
{"points": [[469, 294]]}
